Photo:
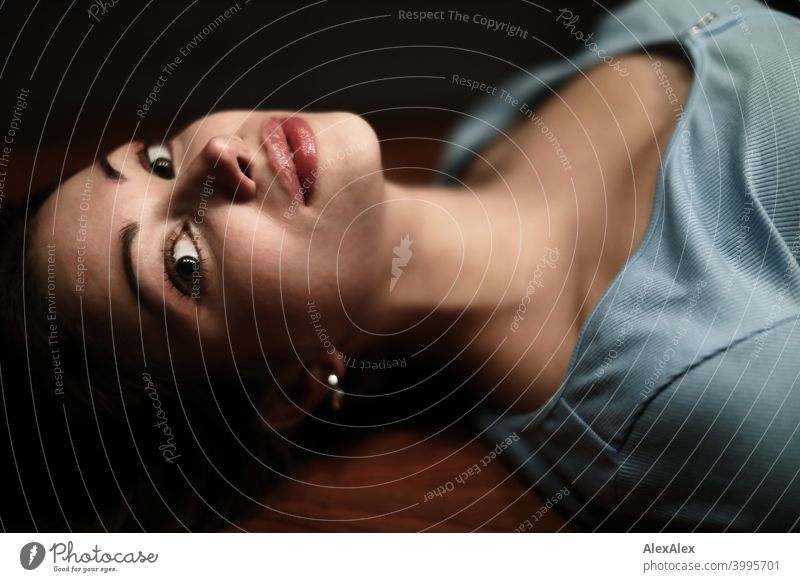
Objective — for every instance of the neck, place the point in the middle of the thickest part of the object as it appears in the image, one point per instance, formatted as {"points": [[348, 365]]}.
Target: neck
{"points": [[456, 258]]}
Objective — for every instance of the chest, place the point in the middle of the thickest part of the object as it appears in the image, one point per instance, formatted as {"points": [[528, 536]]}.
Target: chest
{"points": [[593, 154]]}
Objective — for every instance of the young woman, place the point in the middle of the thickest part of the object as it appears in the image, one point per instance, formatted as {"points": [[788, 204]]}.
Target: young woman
{"points": [[609, 262]]}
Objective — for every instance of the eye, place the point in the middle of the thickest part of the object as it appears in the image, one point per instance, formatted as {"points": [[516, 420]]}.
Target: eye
{"points": [[159, 159], [183, 263]]}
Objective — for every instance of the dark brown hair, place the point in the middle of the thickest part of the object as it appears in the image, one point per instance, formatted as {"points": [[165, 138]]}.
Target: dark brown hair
{"points": [[80, 445]]}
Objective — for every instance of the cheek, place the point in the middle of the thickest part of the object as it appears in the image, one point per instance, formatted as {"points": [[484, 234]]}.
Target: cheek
{"points": [[251, 260], [264, 271], [346, 256], [272, 267]]}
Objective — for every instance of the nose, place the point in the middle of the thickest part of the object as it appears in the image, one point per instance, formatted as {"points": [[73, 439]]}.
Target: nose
{"points": [[221, 165]]}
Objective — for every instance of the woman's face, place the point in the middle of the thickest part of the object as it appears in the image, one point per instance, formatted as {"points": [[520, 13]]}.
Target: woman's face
{"points": [[220, 236]]}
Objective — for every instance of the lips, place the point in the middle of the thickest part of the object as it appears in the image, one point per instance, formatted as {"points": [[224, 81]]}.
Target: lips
{"points": [[292, 154]]}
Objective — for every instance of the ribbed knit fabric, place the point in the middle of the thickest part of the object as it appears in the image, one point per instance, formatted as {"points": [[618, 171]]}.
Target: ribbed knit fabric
{"points": [[681, 404]]}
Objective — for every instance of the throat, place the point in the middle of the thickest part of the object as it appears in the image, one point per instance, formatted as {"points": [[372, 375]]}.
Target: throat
{"points": [[458, 261]]}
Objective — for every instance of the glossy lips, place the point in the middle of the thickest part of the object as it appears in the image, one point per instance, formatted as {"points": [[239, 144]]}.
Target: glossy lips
{"points": [[292, 153]]}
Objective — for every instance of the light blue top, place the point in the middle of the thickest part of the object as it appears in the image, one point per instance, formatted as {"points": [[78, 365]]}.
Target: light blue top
{"points": [[680, 407]]}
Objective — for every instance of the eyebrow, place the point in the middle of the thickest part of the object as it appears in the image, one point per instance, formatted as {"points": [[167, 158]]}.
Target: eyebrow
{"points": [[127, 235], [110, 171]]}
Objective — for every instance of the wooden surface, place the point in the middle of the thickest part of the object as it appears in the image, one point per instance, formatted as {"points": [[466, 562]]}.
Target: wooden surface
{"points": [[386, 491]]}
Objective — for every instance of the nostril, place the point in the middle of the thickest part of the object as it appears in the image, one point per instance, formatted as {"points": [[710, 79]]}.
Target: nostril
{"points": [[244, 167]]}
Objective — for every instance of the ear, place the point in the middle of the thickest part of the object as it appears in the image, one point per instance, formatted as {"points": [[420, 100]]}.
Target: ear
{"points": [[301, 388]]}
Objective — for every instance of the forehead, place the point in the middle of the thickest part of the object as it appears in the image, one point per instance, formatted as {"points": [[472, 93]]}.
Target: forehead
{"points": [[82, 207], [75, 237]]}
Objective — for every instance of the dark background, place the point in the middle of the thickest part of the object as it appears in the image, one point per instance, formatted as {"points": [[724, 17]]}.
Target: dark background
{"points": [[88, 78]]}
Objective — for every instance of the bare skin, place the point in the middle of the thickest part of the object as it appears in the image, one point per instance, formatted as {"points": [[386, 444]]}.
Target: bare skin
{"points": [[614, 132], [475, 249]]}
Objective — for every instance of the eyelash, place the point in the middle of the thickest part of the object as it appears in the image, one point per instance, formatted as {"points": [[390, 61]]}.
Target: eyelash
{"points": [[165, 172], [170, 272], [188, 291]]}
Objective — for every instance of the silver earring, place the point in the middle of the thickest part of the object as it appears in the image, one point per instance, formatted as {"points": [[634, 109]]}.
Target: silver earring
{"points": [[338, 394]]}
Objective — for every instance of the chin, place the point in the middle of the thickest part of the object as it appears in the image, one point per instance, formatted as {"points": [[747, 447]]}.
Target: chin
{"points": [[344, 242], [349, 156]]}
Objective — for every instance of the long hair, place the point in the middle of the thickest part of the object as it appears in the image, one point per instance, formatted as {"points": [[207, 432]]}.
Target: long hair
{"points": [[89, 443]]}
